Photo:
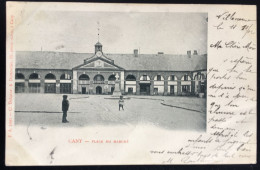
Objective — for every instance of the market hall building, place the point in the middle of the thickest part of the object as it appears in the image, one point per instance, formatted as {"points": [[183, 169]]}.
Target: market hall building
{"points": [[97, 73]]}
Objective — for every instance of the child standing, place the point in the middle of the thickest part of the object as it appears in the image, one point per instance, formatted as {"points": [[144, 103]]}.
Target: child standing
{"points": [[121, 103]]}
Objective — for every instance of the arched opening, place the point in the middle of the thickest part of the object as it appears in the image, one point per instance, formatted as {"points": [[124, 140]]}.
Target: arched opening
{"points": [[34, 76], [84, 77], [172, 84], [99, 79], [130, 78], [65, 84], [172, 78], [19, 76], [111, 83], [145, 78], [50, 83], [130, 84], [84, 82], [186, 84], [65, 77], [158, 85], [34, 83], [50, 76], [158, 78], [19, 83], [145, 85], [112, 78], [98, 90], [186, 78]]}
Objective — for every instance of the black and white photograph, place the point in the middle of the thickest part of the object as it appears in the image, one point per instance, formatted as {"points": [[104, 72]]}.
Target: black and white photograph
{"points": [[113, 68]]}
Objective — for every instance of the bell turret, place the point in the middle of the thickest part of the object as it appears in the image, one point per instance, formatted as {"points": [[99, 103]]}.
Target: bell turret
{"points": [[98, 47]]}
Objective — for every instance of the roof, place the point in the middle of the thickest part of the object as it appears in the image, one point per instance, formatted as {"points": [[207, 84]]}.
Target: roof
{"points": [[69, 60], [98, 44]]}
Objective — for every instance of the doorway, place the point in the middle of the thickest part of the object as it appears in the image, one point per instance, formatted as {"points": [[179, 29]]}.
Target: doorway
{"points": [[172, 89], [145, 89], [112, 89], [50, 87], [65, 88], [130, 90], [83, 90], [98, 90]]}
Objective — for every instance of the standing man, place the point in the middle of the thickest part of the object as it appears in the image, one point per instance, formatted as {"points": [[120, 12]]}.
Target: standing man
{"points": [[65, 108]]}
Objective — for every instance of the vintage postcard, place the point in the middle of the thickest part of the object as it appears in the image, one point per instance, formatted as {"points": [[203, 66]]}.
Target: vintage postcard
{"points": [[129, 84]]}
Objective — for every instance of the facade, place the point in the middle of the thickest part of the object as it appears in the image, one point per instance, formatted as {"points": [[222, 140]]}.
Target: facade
{"points": [[97, 73]]}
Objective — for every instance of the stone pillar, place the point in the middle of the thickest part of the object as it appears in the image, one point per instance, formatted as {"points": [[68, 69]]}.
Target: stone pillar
{"points": [[179, 87], [165, 88], [26, 86], [199, 84], [91, 87], [75, 82], [122, 83], [137, 88], [151, 87], [58, 86], [193, 87], [106, 87], [42, 86]]}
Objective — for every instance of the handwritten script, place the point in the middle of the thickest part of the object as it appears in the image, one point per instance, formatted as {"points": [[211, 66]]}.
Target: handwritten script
{"points": [[231, 96]]}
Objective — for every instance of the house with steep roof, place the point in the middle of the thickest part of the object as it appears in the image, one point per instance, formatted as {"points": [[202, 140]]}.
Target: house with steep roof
{"points": [[98, 72]]}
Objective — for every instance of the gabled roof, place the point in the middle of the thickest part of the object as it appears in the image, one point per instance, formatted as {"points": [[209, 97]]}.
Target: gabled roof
{"points": [[89, 64], [153, 62]]}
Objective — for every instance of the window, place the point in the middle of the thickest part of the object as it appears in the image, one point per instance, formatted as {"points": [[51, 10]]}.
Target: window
{"points": [[172, 78], [50, 88], [65, 88], [159, 78], [50, 76], [186, 78], [19, 87], [155, 92], [34, 76], [19, 76], [130, 78], [145, 77], [34, 87], [83, 77], [65, 77], [99, 78], [186, 88], [202, 87], [112, 78]]}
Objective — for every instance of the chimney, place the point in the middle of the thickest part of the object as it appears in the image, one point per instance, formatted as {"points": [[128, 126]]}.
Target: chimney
{"points": [[136, 52], [195, 52], [189, 53], [160, 53]]}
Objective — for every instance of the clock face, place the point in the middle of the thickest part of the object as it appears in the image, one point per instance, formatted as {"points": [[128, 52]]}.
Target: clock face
{"points": [[99, 53]]}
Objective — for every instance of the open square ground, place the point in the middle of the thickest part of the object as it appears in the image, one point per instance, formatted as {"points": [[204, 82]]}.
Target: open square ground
{"points": [[172, 113]]}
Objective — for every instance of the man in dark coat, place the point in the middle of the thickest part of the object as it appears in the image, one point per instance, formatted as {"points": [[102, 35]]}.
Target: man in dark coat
{"points": [[65, 108]]}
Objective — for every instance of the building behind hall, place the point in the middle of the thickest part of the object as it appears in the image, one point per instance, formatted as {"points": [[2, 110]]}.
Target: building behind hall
{"points": [[95, 73]]}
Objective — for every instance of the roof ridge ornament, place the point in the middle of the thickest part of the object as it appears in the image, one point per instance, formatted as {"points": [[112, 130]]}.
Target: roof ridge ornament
{"points": [[98, 29]]}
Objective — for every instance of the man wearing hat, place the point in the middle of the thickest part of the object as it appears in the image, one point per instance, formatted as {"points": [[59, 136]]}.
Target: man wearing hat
{"points": [[65, 108]]}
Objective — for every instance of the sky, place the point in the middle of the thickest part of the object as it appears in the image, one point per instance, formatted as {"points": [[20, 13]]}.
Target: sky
{"points": [[120, 32]]}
